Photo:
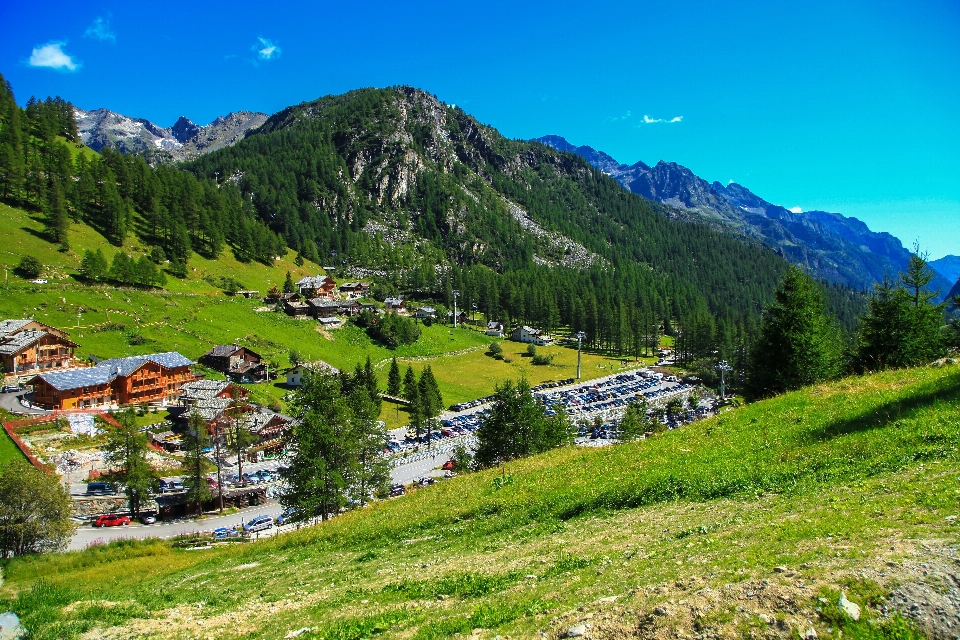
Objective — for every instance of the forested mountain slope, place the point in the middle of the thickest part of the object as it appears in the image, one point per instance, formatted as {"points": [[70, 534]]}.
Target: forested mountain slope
{"points": [[398, 182], [393, 185], [828, 245]]}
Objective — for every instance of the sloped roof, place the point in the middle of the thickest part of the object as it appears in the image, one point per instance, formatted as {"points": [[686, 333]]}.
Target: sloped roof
{"points": [[77, 378], [107, 370], [12, 326], [321, 303], [203, 389], [126, 366], [223, 350]]}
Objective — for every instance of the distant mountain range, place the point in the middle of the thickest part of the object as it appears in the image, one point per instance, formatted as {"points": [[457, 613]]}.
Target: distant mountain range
{"points": [[184, 140], [829, 245]]}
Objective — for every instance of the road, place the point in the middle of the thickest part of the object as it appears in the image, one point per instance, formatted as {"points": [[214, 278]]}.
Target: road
{"points": [[87, 534], [11, 402]]}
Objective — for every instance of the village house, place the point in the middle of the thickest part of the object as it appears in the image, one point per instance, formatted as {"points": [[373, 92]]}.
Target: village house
{"points": [[395, 305], [322, 308], [28, 346], [425, 312], [154, 378], [237, 363], [494, 329], [317, 287], [530, 335], [354, 290], [295, 375], [293, 308], [349, 308]]}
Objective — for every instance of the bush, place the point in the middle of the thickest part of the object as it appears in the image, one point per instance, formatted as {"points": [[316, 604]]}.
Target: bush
{"points": [[496, 351], [539, 359], [29, 267]]}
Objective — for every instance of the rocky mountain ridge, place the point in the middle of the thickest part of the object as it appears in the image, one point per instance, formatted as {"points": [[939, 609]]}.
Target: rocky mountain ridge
{"points": [[183, 140], [831, 246]]}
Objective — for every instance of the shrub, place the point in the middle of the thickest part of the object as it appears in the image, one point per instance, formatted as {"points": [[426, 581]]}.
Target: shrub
{"points": [[29, 267]]}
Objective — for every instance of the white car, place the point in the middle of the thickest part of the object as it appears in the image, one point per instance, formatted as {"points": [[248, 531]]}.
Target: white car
{"points": [[259, 524], [39, 281]]}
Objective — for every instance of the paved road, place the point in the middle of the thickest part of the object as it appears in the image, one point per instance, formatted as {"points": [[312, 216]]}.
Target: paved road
{"points": [[11, 402], [87, 534]]}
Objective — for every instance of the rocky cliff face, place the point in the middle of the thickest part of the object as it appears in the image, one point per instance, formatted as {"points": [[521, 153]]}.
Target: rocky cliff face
{"points": [[829, 245], [184, 140]]}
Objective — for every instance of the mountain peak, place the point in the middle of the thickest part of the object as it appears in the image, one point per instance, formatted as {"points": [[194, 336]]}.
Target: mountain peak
{"points": [[184, 129]]}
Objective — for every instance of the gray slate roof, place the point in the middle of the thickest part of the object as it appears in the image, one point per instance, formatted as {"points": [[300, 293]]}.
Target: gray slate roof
{"points": [[223, 350], [18, 341], [203, 389], [169, 360], [12, 326], [107, 370]]}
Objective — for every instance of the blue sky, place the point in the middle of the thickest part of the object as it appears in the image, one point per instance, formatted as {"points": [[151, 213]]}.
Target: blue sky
{"points": [[840, 106]]}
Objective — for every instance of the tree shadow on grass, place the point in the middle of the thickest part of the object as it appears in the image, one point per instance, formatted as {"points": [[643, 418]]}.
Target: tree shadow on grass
{"points": [[947, 392]]}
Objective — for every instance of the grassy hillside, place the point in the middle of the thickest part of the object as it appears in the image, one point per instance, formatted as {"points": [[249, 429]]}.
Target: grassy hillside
{"points": [[734, 526]]}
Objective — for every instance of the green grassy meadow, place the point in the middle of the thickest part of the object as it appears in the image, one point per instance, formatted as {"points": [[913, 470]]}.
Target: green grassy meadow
{"points": [[831, 485]]}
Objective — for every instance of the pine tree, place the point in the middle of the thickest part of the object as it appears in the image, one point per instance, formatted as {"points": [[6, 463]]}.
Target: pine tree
{"points": [[93, 267], [635, 422], [393, 379], [288, 286], [126, 451], [798, 344], [324, 464], [902, 327], [57, 220], [517, 426], [195, 440], [411, 394]]}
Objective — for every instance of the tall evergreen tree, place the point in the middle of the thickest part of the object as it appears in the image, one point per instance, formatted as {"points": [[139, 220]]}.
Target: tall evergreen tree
{"points": [[798, 343], [195, 440], [126, 453], [517, 426], [411, 393], [393, 379], [902, 327]]}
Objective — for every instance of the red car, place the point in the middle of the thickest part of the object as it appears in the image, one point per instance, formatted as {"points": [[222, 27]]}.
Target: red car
{"points": [[448, 465], [111, 520]]}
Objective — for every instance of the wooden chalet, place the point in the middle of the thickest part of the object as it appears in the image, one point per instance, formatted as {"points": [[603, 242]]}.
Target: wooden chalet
{"points": [[295, 308], [154, 378], [237, 363], [355, 289], [317, 287], [322, 308], [28, 346]]}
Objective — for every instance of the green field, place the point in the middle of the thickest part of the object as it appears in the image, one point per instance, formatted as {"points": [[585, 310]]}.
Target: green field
{"points": [[837, 486]]}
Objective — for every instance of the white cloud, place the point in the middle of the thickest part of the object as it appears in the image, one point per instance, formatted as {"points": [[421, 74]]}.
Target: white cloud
{"points": [[100, 30], [796, 210], [52, 56], [266, 50], [649, 120]]}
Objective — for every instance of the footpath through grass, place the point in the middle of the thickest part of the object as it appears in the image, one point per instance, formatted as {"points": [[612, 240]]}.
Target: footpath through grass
{"points": [[830, 482]]}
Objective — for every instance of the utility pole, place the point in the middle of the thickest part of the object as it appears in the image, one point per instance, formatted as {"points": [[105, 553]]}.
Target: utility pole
{"points": [[723, 367], [456, 294], [580, 336]]}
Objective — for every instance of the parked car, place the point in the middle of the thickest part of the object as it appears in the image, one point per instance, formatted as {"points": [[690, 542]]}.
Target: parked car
{"points": [[397, 490], [426, 481], [167, 486], [448, 465], [285, 517], [111, 520], [11, 388], [100, 489], [148, 518], [224, 532], [258, 524]]}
